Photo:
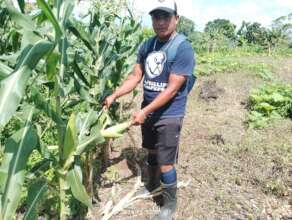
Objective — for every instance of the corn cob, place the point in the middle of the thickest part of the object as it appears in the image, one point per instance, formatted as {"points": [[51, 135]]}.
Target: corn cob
{"points": [[115, 131]]}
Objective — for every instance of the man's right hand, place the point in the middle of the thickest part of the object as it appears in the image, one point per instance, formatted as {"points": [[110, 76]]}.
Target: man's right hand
{"points": [[109, 100]]}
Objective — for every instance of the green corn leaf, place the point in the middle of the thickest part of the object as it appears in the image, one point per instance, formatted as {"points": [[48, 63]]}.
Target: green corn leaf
{"points": [[48, 12], [84, 122], [78, 72], [51, 65], [12, 58], [21, 4], [12, 87], [20, 19], [23, 54], [64, 44], [95, 137], [4, 71], [71, 103], [84, 94], [40, 168], [28, 38], [87, 135], [80, 32], [13, 169], [78, 190], [66, 11], [70, 142], [11, 92], [45, 106], [36, 193]]}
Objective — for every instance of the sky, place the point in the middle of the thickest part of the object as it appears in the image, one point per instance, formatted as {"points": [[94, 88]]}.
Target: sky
{"points": [[202, 11]]}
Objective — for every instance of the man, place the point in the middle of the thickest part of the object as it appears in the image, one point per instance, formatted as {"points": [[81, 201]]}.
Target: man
{"points": [[165, 63]]}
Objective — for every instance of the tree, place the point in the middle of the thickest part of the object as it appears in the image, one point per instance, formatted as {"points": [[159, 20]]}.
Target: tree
{"points": [[273, 38], [199, 41], [283, 24], [254, 33], [221, 26], [185, 26]]}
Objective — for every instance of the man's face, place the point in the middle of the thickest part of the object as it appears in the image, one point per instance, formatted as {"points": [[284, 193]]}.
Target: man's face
{"points": [[164, 24]]}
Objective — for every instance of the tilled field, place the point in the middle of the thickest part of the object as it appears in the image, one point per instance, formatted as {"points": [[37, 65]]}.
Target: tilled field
{"points": [[234, 172]]}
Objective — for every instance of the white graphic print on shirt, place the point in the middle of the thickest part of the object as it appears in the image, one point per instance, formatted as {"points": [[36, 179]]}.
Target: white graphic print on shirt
{"points": [[155, 63]]}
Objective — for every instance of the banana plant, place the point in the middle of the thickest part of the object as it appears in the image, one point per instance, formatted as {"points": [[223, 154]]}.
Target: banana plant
{"points": [[62, 64]]}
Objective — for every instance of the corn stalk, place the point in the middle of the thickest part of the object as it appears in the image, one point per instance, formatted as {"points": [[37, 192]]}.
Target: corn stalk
{"points": [[62, 64]]}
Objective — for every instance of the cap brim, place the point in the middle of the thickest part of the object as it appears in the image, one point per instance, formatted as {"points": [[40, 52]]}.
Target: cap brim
{"points": [[168, 10]]}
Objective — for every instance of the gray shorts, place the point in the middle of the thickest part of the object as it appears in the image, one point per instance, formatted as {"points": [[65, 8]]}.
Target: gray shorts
{"points": [[162, 135]]}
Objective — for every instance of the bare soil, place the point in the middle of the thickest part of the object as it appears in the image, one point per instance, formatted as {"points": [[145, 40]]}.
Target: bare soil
{"points": [[235, 172]]}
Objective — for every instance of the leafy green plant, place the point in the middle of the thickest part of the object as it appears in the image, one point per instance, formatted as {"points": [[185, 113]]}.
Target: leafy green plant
{"points": [[272, 101]]}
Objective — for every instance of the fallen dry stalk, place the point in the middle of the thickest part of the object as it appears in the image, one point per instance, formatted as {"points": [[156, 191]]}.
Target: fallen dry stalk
{"points": [[110, 210]]}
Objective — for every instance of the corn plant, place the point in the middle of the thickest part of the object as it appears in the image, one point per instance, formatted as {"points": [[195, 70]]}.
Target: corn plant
{"points": [[63, 70], [9, 37]]}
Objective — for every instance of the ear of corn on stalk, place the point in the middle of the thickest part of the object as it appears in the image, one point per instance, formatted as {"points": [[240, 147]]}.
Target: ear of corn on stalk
{"points": [[115, 131], [104, 118]]}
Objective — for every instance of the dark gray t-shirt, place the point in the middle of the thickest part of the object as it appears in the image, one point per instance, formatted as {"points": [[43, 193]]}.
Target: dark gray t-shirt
{"points": [[156, 70]]}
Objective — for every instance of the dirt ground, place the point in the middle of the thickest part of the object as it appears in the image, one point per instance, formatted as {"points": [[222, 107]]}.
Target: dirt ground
{"points": [[234, 172]]}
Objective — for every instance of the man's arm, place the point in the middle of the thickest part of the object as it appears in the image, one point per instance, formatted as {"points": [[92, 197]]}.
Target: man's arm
{"points": [[174, 84], [128, 85]]}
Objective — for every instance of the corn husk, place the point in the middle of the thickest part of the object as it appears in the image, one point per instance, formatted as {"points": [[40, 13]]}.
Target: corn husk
{"points": [[116, 130]]}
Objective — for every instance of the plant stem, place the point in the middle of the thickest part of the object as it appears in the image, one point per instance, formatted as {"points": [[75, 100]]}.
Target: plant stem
{"points": [[60, 130], [62, 198]]}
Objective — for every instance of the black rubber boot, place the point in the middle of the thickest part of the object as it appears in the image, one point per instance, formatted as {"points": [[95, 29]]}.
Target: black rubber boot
{"points": [[152, 180], [169, 202]]}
